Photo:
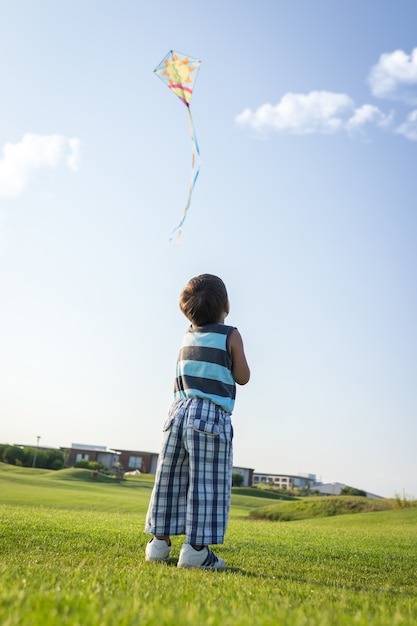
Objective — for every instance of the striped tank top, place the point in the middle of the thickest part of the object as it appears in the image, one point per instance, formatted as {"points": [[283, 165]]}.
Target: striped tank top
{"points": [[204, 366]]}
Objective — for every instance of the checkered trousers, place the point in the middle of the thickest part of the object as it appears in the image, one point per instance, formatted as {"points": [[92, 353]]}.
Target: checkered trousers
{"points": [[191, 495]]}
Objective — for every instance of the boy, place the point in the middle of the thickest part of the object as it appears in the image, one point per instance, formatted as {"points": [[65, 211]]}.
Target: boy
{"points": [[192, 488]]}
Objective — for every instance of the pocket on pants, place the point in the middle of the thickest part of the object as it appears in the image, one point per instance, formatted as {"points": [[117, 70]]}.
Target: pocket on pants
{"points": [[207, 427], [220, 427]]}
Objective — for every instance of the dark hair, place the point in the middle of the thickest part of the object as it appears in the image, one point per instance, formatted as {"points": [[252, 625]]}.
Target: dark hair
{"points": [[203, 299]]}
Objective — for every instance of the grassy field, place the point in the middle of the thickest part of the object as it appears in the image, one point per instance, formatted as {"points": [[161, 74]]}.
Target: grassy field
{"points": [[307, 508], [71, 553]]}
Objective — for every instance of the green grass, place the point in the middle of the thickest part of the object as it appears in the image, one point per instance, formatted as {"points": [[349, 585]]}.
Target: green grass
{"points": [[259, 492], [71, 554], [321, 507], [72, 489]]}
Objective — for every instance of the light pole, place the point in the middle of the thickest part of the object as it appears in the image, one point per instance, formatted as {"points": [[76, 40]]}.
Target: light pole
{"points": [[36, 450]]}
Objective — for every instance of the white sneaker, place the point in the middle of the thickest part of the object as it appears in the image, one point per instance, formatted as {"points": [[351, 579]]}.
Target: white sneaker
{"points": [[157, 550], [203, 559]]}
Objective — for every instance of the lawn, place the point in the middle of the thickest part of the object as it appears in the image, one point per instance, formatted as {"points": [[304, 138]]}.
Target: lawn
{"points": [[71, 553]]}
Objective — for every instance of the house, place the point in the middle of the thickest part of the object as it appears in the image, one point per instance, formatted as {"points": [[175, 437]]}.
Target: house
{"points": [[289, 481], [145, 462], [330, 489], [129, 460], [93, 454]]}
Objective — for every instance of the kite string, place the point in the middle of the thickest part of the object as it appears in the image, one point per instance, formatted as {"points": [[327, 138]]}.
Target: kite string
{"points": [[195, 170]]}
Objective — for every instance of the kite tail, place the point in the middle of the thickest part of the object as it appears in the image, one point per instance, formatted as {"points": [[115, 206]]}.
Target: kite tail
{"points": [[195, 170]]}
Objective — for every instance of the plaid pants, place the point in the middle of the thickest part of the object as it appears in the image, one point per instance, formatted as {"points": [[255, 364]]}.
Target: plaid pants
{"points": [[191, 495]]}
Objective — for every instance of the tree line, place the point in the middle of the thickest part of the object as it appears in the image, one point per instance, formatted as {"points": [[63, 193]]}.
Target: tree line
{"points": [[26, 456]]}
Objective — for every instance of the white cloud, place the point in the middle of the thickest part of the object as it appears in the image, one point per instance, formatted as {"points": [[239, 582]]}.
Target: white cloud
{"points": [[409, 127], [73, 159], [5, 239], [33, 152], [317, 111], [395, 76], [369, 114]]}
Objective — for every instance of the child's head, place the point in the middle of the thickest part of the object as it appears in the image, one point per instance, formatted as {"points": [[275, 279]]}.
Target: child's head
{"points": [[204, 300]]}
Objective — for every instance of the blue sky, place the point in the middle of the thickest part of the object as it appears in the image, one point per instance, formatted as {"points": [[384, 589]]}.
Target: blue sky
{"points": [[306, 116]]}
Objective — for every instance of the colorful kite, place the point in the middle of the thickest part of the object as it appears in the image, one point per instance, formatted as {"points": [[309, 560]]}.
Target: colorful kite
{"points": [[179, 72]]}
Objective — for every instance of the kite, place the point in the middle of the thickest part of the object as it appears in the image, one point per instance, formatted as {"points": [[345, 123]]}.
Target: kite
{"points": [[179, 72]]}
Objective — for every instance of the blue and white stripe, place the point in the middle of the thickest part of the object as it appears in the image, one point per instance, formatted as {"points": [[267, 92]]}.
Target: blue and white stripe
{"points": [[204, 366]]}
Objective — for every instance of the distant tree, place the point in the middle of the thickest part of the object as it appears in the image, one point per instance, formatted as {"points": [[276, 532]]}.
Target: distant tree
{"points": [[351, 491], [28, 455], [58, 464], [11, 454], [46, 459], [237, 479], [55, 459]]}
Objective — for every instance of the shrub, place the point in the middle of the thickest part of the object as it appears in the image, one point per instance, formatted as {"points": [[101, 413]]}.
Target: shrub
{"points": [[352, 491], [94, 465], [82, 463], [58, 464], [237, 479], [404, 501], [91, 465]]}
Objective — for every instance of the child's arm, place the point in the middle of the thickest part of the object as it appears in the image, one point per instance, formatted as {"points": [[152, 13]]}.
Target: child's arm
{"points": [[240, 367]]}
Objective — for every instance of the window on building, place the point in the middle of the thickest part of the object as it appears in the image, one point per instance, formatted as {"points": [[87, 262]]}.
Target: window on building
{"points": [[82, 457], [135, 462]]}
